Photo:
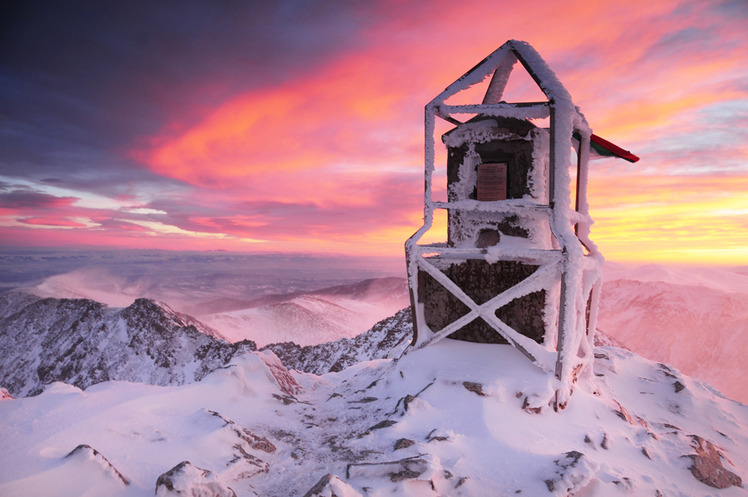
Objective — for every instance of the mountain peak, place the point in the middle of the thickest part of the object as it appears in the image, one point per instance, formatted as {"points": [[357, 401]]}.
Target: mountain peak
{"points": [[454, 418], [83, 342]]}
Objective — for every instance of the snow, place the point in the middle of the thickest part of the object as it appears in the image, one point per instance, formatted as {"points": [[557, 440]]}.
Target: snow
{"points": [[467, 410], [304, 320], [92, 284], [693, 318], [460, 404], [725, 279], [547, 216]]}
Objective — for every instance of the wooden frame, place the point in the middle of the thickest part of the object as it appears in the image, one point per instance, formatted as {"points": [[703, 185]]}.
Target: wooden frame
{"points": [[570, 269]]}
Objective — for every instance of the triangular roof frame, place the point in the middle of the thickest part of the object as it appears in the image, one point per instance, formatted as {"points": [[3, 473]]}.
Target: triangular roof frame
{"points": [[500, 63], [573, 254]]}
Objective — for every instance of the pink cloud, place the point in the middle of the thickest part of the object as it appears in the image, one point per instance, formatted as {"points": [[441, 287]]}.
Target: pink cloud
{"points": [[61, 222], [28, 199], [332, 159]]}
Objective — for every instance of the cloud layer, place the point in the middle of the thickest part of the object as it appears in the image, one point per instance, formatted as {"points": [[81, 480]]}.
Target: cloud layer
{"points": [[299, 126]]}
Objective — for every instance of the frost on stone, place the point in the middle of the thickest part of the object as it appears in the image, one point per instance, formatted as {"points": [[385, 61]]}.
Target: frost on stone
{"points": [[707, 465], [531, 225], [280, 374], [186, 480], [88, 455], [572, 472], [332, 486]]}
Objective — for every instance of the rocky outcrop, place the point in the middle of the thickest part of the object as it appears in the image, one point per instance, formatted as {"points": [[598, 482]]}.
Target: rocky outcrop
{"points": [[388, 338], [87, 454], [83, 342], [236, 451], [331, 486], [184, 480], [707, 465]]}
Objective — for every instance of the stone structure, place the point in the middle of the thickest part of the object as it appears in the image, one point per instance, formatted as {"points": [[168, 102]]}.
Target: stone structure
{"points": [[517, 266]]}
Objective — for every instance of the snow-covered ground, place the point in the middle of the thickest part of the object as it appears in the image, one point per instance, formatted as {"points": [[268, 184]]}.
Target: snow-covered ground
{"points": [[451, 419], [306, 319], [444, 420], [693, 318]]}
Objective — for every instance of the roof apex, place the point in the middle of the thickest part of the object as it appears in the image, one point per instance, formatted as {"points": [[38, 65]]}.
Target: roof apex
{"points": [[499, 65]]}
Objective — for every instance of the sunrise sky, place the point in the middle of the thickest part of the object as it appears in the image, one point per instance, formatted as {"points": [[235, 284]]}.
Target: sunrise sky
{"points": [[298, 125]]}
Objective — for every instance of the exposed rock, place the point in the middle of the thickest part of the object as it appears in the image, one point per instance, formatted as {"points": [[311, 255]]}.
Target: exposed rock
{"points": [[365, 400], [707, 465], [605, 444], [5, 395], [254, 441], [572, 472], [476, 388], [435, 436], [286, 399], [622, 413], [388, 338], [331, 486], [403, 469], [243, 464], [82, 342], [405, 474], [530, 408], [403, 443], [382, 424], [186, 480], [85, 452], [318, 487], [282, 377], [406, 401]]}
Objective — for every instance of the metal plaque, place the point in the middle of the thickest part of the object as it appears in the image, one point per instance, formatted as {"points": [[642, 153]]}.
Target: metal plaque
{"points": [[492, 181]]}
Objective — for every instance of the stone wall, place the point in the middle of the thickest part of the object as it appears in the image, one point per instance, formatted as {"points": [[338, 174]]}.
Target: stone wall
{"points": [[482, 281]]}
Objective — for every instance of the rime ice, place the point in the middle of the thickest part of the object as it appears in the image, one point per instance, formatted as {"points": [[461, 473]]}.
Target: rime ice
{"points": [[518, 266]]}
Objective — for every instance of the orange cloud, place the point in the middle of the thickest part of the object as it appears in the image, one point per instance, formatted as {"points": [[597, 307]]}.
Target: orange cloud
{"points": [[60, 222], [321, 161], [671, 219], [293, 141]]}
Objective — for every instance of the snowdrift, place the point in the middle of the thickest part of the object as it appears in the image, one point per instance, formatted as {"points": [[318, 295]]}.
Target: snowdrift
{"points": [[451, 419]]}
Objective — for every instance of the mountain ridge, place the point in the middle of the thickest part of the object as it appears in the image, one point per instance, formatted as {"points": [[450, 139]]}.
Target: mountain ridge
{"points": [[358, 290], [455, 418], [310, 317], [84, 342]]}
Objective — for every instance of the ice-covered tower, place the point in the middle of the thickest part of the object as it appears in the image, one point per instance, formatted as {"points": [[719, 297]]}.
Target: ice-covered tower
{"points": [[517, 266]]}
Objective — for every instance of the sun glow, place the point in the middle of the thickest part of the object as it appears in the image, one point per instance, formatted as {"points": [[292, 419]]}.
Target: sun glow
{"points": [[328, 155]]}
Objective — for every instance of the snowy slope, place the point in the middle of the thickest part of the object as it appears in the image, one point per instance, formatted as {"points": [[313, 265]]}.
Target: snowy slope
{"points": [[308, 318], [386, 339], [444, 420], [693, 318], [305, 317], [84, 342]]}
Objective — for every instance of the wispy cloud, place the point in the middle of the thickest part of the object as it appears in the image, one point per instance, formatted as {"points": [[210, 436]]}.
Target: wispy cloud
{"points": [[298, 126]]}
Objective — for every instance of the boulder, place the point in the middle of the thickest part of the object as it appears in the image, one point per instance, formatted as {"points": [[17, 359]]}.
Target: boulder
{"points": [[186, 480]]}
